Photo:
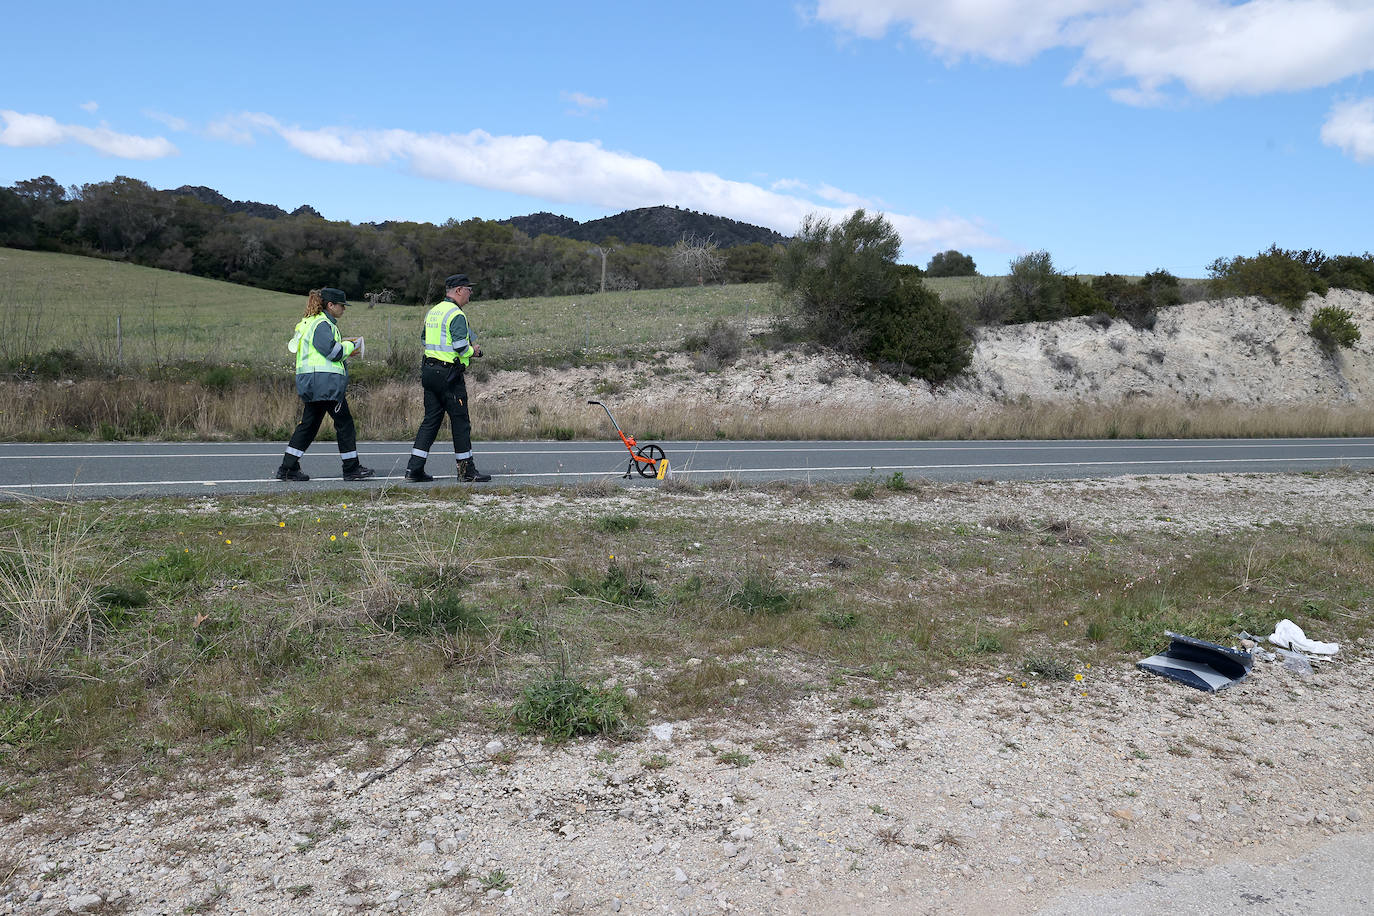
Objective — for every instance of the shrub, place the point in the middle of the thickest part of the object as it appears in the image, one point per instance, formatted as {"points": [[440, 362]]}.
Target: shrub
{"points": [[562, 708], [951, 264], [722, 342], [914, 333], [1137, 303], [845, 290], [1334, 327], [1278, 275], [1348, 271], [1082, 299], [1035, 289]]}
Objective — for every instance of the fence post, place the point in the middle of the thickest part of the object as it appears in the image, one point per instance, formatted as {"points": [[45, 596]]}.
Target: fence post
{"points": [[119, 338]]}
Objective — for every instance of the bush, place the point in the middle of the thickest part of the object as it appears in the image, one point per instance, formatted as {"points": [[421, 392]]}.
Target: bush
{"points": [[562, 708], [951, 264], [1348, 271], [915, 333], [1334, 327], [722, 342], [1034, 289], [1138, 302], [1278, 275], [845, 290]]}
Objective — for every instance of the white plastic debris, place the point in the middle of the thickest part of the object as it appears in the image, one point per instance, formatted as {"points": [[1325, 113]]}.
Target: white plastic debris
{"points": [[1290, 636]]}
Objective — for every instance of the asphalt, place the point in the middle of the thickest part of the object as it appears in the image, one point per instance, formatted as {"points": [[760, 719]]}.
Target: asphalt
{"points": [[112, 469]]}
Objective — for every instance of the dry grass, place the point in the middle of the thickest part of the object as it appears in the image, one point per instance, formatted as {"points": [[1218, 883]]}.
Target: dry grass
{"points": [[137, 408], [48, 601]]}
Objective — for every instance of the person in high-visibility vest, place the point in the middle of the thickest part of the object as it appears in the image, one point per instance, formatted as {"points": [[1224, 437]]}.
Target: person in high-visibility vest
{"points": [[321, 379], [449, 345]]}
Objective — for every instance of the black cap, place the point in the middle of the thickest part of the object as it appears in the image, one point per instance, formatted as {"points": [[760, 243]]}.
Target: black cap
{"points": [[330, 294], [457, 280]]}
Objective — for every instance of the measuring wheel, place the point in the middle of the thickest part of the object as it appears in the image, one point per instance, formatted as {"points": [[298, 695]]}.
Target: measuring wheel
{"points": [[654, 454]]}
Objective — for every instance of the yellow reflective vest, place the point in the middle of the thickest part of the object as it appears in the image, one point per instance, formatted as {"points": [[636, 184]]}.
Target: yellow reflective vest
{"points": [[439, 342]]}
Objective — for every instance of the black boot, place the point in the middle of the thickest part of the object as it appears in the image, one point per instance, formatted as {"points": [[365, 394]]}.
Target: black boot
{"points": [[358, 472], [418, 475], [286, 473], [467, 470]]}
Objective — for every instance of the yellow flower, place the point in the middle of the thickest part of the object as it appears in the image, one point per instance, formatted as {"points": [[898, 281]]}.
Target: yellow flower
{"points": [[281, 524], [332, 538], [227, 541], [345, 534], [1066, 623], [1078, 677]]}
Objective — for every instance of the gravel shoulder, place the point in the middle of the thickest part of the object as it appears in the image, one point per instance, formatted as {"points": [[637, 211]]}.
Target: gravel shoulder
{"points": [[977, 793]]}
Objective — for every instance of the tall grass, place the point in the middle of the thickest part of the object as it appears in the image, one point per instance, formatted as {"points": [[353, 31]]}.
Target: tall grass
{"points": [[130, 408], [48, 602]]}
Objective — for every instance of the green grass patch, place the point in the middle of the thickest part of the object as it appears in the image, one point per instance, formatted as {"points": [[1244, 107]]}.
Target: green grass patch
{"points": [[561, 708]]}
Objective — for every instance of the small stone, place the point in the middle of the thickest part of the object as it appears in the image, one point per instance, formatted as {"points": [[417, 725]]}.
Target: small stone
{"points": [[560, 896], [978, 802], [84, 903], [1353, 815], [353, 901], [693, 662], [615, 905], [1125, 814], [493, 894], [448, 845], [679, 875], [426, 848], [742, 833], [658, 847], [1195, 818], [494, 747], [729, 850]]}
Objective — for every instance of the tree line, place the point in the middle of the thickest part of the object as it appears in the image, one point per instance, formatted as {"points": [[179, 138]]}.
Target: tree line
{"points": [[129, 220]]}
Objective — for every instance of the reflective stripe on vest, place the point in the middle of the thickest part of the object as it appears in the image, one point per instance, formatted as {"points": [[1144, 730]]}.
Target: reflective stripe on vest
{"points": [[309, 359], [438, 344]]}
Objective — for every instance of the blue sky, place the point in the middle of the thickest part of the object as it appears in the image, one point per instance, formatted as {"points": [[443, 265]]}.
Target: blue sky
{"points": [[1119, 135]]}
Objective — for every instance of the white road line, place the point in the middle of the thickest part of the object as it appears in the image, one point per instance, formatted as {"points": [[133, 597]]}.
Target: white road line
{"points": [[727, 470], [819, 447]]}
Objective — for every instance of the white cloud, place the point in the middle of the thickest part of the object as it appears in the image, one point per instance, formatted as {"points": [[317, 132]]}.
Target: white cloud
{"points": [[90, 107], [583, 103], [1212, 48], [569, 171], [1350, 127], [28, 130], [171, 122]]}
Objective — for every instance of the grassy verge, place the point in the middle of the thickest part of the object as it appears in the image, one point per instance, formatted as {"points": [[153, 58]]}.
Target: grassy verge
{"points": [[130, 408], [144, 633]]}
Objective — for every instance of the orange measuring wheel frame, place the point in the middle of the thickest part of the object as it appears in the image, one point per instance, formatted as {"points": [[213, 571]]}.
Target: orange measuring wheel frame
{"points": [[645, 460]]}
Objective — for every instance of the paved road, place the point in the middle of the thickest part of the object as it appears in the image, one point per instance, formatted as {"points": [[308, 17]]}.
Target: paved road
{"points": [[63, 470]]}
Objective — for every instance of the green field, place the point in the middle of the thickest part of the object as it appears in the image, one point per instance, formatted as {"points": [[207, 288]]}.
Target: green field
{"points": [[114, 313], [117, 313]]}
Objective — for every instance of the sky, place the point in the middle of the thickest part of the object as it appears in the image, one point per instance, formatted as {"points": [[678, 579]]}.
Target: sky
{"points": [[1120, 136]]}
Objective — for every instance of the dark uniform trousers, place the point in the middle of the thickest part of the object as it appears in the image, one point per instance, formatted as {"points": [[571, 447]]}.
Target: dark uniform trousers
{"points": [[445, 393], [309, 427]]}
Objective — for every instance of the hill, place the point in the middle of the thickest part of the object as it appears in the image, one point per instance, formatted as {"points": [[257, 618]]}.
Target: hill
{"points": [[659, 226]]}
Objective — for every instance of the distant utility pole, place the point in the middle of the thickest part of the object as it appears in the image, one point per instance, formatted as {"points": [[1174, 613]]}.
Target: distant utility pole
{"points": [[597, 249]]}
